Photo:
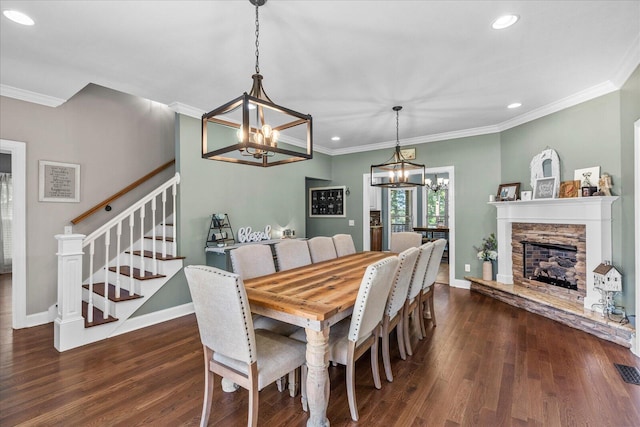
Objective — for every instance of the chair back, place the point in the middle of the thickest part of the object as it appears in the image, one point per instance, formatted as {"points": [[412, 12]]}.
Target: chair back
{"points": [[401, 281], [372, 297], [251, 261], [321, 249], [404, 240], [344, 244], [292, 254], [434, 263], [419, 273], [222, 312]]}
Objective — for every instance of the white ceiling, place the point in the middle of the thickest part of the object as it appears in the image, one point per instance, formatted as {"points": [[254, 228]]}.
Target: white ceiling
{"points": [[347, 63]]}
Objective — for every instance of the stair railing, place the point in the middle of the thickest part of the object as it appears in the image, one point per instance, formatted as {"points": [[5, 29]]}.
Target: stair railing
{"points": [[70, 257]]}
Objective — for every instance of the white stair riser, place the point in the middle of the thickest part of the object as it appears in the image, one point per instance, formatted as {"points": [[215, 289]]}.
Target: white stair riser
{"points": [[163, 267], [147, 245]]}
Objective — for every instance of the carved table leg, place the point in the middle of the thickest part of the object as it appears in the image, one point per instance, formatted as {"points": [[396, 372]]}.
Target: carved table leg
{"points": [[318, 377]]}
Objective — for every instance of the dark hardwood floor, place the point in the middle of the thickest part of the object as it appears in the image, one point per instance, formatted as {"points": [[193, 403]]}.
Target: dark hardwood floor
{"points": [[485, 364]]}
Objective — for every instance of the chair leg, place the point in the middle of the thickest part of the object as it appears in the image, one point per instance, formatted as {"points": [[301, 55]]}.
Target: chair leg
{"points": [[351, 382], [280, 382], [375, 369], [208, 388], [420, 309], [400, 334], [293, 383], [252, 418], [303, 387], [386, 358], [407, 328], [431, 308]]}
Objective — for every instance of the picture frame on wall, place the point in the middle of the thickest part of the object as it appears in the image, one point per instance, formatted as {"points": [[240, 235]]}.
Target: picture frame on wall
{"points": [[545, 188], [327, 202], [58, 182], [508, 192]]}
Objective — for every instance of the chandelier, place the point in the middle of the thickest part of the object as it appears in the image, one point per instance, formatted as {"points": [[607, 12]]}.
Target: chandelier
{"points": [[437, 184], [397, 171], [253, 130]]}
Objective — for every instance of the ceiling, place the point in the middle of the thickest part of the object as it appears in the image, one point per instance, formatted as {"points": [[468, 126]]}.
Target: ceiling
{"points": [[347, 63]]}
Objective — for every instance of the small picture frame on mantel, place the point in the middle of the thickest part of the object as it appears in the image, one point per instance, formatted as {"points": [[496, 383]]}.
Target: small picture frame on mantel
{"points": [[508, 192], [545, 188]]}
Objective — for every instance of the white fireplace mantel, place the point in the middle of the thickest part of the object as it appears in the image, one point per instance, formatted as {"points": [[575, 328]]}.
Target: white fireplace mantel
{"points": [[593, 212]]}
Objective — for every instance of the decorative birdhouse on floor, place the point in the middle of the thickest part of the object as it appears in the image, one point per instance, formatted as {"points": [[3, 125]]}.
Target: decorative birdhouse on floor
{"points": [[607, 278]]}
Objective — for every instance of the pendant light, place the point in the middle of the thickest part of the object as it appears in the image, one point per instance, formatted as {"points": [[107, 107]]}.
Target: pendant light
{"points": [[437, 184], [397, 172], [253, 130]]}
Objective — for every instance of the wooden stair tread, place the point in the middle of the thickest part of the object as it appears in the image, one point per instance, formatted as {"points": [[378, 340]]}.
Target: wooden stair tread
{"points": [[168, 239], [149, 254], [125, 270], [97, 316], [98, 288]]}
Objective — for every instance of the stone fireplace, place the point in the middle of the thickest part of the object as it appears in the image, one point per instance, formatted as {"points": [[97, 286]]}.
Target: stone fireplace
{"points": [[572, 235]]}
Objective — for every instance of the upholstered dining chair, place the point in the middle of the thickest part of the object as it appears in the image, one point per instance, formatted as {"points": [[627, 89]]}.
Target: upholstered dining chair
{"points": [[321, 249], [403, 240], [344, 244], [350, 338], [251, 261], [412, 301], [251, 358], [429, 280], [394, 310], [292, 253]]}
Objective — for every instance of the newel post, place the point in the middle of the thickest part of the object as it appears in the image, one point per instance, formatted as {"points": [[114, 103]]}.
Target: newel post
{"points": [[69, 321]]}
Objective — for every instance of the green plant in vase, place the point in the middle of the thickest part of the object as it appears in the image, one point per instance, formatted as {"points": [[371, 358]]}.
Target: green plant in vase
{"points": [[487, 252]]}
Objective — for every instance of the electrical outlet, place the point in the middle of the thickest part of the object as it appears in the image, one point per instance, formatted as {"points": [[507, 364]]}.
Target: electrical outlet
{"points": [[467, 268], [352, 222]]}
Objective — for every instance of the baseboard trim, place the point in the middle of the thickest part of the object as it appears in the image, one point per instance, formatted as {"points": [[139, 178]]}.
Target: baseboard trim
{"points": [[459, 283], [38, 319], [154, 318]]}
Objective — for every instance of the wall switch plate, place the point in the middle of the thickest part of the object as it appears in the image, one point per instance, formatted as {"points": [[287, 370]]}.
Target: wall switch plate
{"points": [[467, 268], [352, 222]]}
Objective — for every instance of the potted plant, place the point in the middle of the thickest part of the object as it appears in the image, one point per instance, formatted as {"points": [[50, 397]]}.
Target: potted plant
{"points": [[487, 252]]}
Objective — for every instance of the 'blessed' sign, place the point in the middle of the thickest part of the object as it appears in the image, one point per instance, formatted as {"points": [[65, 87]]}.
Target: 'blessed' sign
{"points": [[245, 234]]}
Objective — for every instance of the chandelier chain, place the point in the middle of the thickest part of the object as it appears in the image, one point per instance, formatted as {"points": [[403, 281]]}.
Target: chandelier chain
{"points": [[397, 127], [257, 41]]}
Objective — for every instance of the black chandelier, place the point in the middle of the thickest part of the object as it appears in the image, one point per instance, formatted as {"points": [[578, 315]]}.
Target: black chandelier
{"points": [[397, 171], [437, 184], [253, 130]]}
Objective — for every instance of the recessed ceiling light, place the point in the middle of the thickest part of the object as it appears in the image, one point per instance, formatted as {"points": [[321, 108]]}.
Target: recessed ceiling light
{"points": [[335, 138], [18, 17], [514, 105], [504, 21]]}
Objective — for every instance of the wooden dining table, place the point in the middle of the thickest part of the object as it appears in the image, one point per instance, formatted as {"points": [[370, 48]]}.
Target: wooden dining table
{"points": [[314, 297]]}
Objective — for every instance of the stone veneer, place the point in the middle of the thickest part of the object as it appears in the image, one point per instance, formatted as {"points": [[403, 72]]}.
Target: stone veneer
{"points": [[558, 234]]}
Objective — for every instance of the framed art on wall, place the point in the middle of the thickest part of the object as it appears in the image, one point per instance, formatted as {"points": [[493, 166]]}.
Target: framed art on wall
{"points": [[327, 202], [58, 182]]}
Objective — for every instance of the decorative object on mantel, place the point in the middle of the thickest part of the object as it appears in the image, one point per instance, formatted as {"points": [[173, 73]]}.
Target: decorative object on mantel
{"points": [[525, 195], [545, 188], [587, 177], [545, 165], [487, 252], [569, 189], [605, 184], [608, 280], [508, 192], [398, 171], [257, 125]]}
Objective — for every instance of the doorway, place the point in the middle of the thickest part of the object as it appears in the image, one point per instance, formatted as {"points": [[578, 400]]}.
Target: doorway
{"points": [[402, 210]]}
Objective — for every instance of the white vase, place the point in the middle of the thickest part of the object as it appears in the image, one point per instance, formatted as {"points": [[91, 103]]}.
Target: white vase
{"points": [[487, 270]]}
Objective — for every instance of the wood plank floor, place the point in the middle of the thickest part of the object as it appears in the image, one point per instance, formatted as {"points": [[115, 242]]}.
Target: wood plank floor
{"points": [[485, 364]]}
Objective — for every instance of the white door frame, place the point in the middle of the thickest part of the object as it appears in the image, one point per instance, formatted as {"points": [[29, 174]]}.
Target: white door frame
{"points": [[635, 347], [17, 150]]}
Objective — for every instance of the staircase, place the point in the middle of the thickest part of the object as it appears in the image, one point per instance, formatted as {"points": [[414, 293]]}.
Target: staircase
{"points": [[95, 303]]}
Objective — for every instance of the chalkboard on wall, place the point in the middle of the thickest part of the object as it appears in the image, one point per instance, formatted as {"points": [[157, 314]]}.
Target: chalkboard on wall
{"points": [[327, 202]]}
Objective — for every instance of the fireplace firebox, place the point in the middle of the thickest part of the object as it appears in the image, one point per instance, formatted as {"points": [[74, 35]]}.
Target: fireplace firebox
{"points": [[553, 264]]}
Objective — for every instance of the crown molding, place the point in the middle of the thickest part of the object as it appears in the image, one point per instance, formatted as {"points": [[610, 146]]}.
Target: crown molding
{"points": [[28, 96], [628, 65], [186, 110]]}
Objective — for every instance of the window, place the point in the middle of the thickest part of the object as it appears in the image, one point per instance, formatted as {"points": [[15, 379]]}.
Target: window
{"points": [[401, 210], [438, 208]]}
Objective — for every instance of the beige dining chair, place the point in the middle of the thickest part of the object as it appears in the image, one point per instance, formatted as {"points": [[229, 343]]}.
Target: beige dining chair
{"points": [[394, 310], [292, 253], [350, 338], [232, 347], [321, 249], [412, 302], [429, 280], [403, 240], [344, 244]]}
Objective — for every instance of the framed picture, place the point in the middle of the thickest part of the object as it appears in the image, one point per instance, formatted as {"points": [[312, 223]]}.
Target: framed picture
{"points": [[508, 192], [588, 177], [58, 182], [408, 153], [525, 195], [569, 189], [327, 202], [545, 188]]}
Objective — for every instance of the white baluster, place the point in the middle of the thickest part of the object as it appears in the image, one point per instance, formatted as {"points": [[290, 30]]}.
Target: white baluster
{"points": [[174, 190], [141, 241], [154, 261], [107, 242], [131, 224], [164, 227], [118, 237], [90, 304]]}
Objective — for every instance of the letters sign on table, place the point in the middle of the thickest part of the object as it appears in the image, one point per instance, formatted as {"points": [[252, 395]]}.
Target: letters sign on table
{"points": [[59, 182]]}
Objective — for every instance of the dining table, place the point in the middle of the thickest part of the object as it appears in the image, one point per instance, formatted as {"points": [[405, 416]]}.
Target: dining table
{"points": [[314, 297]]}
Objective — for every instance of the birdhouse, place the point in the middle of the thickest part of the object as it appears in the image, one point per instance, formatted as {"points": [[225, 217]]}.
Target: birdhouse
{"points": [[607, 278]]}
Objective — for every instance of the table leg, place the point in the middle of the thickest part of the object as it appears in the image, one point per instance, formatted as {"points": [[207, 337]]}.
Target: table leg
{"points": [[318, 377]]}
